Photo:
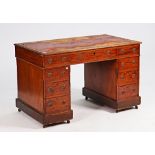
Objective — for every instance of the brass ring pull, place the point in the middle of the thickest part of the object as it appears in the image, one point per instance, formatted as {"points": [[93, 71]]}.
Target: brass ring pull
{"points": [[122, 64], [50, 103], [50, 61], [134, 50], [63, 102], [108, 52], [49, 74], [133, 61], [122, 51], [133, 76], [62, 73], [63, 87], [122, 77], [64, 59], [123, 92], [50, 90]]}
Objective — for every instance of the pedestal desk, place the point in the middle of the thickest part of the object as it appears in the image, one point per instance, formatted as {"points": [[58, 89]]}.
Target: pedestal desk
{"points": [[111, 75]]}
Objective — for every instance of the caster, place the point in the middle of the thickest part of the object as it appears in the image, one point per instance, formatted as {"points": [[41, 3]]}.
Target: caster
{"points": [[44, 126], [68, 121], [86, 98], [117, 111], [19, 110], [136, 107]]}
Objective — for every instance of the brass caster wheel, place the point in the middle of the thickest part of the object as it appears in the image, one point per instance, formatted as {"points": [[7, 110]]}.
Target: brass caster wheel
{"points": [[44, 126], [86, 98], [136, 107], [68, 121], [117, 111], [19, 110]]}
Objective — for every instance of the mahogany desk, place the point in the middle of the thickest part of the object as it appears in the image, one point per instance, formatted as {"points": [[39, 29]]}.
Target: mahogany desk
{"points": [[111, 75]]}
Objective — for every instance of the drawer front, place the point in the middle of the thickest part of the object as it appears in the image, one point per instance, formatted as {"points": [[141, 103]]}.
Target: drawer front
{"points": [[128, 63], [133, 50], [127, 91], [129, 50], [57, 88], [57, 104], [57, 74], [76, 58], [90, 56], [79, 57], [128, 77], [57, 60], [102, 54]]}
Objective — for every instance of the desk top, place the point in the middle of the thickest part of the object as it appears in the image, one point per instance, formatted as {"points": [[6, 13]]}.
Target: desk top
{"points": [[76, 44]]}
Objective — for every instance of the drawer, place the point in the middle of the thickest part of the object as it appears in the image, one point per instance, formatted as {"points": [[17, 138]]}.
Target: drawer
{"points": [[57, 104], [57, 74], [57, 88], [78, 57], [129, 50], [127, 91], [128, 63], [128, 77], [90, 56], [101, 54], [57, 60]]}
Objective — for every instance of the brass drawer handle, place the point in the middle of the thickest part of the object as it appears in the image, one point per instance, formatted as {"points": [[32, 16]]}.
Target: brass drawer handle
{"points": [[62, 73], [122, 51], [133, 61], [134, 50], [63, 87], [133, 76], [108, 52], [49, 103], [50, 61], [49, 74], [122, 64], [64, 59], [133, 90], [122, 77], [50, 90], [123, 92], [63, 102]]}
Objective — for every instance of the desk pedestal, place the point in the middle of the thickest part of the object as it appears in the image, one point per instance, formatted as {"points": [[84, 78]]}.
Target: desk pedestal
{"points": [[112, 84]]}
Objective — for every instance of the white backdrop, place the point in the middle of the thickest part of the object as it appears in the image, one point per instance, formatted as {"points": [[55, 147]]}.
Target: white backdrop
{"points": [[87, 116]]}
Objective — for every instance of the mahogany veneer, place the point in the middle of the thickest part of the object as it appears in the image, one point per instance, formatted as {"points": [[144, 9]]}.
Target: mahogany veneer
{"points": [[43, 73]]}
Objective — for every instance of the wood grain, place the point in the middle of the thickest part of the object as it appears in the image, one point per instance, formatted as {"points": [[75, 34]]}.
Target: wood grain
{"points": [[30, 84], [101, 77], [76, 44], [111, 73]]}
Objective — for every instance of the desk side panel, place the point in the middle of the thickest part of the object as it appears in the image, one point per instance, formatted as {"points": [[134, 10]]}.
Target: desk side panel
{"points": [[30, 84], [100, 77], [29, 56]]}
